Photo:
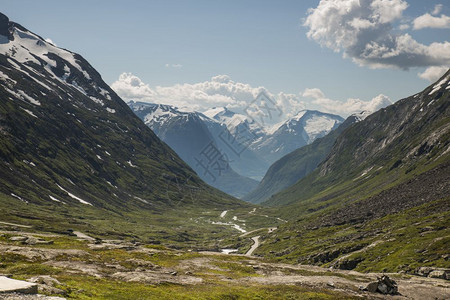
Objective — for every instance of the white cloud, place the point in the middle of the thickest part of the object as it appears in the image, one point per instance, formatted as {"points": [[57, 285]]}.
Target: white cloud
{"points": [[432, 74], [437, 9], [221, 91], [313, 93], [429, 21], [348, 107], [363, 31], [403, 27], [217, 92]]}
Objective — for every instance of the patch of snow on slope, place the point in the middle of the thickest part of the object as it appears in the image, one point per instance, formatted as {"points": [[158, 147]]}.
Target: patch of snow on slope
{"points": [[73, 196], [26, 46], [361, 115], [437, 86], [318, 126], [18, 197], [29, 112], [23, 96], [5, 78], [105, 93], [54, 199]]}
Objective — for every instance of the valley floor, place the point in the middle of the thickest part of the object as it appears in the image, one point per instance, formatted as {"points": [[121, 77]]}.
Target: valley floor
{"points": [[80, 267]]}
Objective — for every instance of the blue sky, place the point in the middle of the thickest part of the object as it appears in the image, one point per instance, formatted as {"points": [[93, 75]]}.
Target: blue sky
{"points": [[257, 43]]}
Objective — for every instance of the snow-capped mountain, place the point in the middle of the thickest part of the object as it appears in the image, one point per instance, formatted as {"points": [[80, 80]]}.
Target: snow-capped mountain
{"points": [[68, 140], [250, 148], [236, 123], [296, 132], [189, 134]]}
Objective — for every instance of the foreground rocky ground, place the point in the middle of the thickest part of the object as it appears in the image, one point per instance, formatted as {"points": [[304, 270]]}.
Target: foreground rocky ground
{"points": [[81, 267]]}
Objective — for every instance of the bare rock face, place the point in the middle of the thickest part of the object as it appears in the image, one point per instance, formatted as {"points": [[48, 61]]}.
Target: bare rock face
{"points": [[4, 25], [383, 285]]}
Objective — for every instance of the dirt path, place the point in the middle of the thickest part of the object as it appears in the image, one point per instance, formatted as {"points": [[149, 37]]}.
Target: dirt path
{"points": [[254, 246]]}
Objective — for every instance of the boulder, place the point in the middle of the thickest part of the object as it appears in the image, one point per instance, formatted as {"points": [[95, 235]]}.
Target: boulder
{"points": [[384, 285], [46, 284], [8, 285], [431, 272], [424, 271], [440, 273]]}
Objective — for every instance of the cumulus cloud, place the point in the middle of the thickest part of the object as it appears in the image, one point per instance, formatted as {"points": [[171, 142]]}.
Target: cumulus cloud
{"points": [[403, 27], [363, 31], [432, 74], [348, 107], [437, 9], [219, 91], [429, 21], [222, 91]]}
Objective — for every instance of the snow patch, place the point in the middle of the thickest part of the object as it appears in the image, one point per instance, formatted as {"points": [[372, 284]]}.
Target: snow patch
{"points": [[23, 96], [18, 197], [96, 100], [73, 196], [29, 112], [55, 199], [438, 86]]}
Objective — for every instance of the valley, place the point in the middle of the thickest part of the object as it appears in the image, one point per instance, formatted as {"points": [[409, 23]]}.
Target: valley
{"points": [[121, 269], [106, 199]]}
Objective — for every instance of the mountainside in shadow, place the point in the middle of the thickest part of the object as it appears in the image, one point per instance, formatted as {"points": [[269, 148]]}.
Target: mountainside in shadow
{"points": [[296, 132], [296, 165], [380, 200], [69, 145], [188, 134]]}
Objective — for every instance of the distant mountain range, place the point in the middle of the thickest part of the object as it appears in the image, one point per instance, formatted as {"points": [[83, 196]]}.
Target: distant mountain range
{"points": [[292, 167], [195, 138], [248, 148]]}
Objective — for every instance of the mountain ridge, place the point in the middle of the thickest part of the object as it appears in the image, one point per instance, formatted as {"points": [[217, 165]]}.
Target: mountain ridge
{"points": [[383, 184], [72, 149]]}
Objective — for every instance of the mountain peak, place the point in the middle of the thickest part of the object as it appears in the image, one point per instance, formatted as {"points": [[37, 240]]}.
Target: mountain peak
{"points": [[4, 25]]}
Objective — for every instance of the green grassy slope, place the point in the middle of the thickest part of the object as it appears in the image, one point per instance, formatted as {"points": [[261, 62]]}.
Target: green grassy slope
{"points": [[383, 187], [296, 165], [75, 154]]}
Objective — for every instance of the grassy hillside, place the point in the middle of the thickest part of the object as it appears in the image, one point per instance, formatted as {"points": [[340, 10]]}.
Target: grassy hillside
{"points": [[296, 165], [383, 185]]}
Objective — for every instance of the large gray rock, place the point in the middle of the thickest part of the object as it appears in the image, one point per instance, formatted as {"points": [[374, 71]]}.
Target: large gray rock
{"points": [[440, 273], [432, 272], [8, 285], [383, 285]]}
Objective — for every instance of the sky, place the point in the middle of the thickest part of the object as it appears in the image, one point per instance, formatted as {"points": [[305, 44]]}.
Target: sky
{"points": [[337, 56]]}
